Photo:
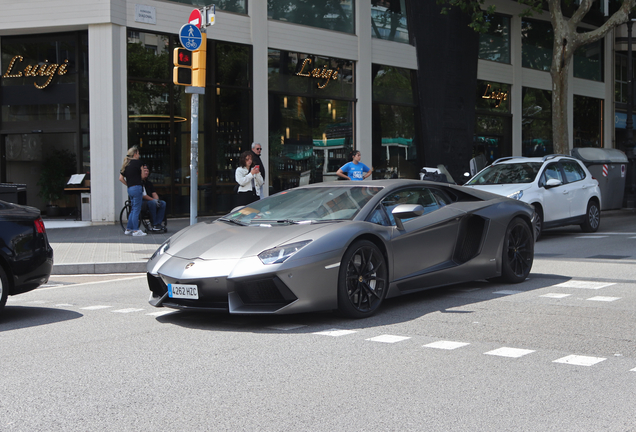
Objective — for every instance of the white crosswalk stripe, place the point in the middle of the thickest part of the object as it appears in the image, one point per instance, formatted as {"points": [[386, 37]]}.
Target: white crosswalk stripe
{"points": [[446, 345], [388, 339], [579, 360], [509, 352]]}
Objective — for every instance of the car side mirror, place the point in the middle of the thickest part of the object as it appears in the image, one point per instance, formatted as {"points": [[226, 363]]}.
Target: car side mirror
{"points": [[406, 211], [553, 183]]}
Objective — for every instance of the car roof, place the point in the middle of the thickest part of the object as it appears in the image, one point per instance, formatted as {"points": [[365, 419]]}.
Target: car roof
{"points": [[538, 159]]}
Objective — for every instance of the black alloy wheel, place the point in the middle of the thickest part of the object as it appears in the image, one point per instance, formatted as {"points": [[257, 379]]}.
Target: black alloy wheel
{"points": [[592, 217], [362, 281], [123, 215], [518, 252], [538, 215]]}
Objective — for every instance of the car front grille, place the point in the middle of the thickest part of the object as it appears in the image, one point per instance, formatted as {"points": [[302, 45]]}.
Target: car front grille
{"points": [[270, 291]]}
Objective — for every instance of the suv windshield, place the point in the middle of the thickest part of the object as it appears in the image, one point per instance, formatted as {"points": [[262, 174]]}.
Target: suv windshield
{"points": [[307, 204], [507, 173]]}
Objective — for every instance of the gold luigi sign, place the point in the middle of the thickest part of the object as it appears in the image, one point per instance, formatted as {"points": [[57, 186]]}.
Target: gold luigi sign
{"points": [[319, 73], [46, 70]]}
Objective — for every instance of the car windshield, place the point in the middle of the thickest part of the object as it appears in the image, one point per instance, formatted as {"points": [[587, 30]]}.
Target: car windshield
{"points": [[507, 173], [306, 204]]}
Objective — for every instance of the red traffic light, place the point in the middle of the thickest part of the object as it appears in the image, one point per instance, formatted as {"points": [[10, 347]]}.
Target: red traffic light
{"points": [[182, 57]]}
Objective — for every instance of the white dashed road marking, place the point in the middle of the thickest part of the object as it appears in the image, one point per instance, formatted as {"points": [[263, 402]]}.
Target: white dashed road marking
{"points": [[579, 360], [555, 295], [446, 345], [388, 338], [592, 237], [507, 292], [161, 313], [604, 299], [584, 285], [509, 352], [95, 307], [129, 310], [335, 332]]}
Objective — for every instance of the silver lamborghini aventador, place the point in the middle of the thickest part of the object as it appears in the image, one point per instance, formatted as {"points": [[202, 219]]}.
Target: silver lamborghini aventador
{"points": [[343, 246]]}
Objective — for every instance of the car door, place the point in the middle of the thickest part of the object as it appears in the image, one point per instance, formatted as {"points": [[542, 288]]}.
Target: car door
{"points": [[578, 187], [556, 200], [427, 241]]}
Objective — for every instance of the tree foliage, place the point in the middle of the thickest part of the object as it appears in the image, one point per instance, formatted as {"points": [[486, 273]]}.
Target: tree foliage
{"points": [[567, 39]]}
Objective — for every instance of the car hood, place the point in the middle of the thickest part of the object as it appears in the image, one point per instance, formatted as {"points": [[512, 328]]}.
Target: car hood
{"points": [[221, 240], [503, 189]]}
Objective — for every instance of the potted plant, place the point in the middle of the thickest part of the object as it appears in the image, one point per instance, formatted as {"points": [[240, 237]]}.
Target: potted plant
{"points": [[57, 167]]}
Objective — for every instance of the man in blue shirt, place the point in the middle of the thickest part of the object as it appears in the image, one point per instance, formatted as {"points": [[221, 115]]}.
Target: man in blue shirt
{"points": [[355, 170]]}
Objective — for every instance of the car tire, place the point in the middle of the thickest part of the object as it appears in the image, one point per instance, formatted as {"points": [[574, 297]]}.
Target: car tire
{"points": [[592, 217], [518, 252], [538, 211], [4, 289], [362, 280]]}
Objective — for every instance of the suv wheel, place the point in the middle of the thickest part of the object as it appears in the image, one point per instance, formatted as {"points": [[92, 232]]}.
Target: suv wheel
{"points": [[592, 217]]}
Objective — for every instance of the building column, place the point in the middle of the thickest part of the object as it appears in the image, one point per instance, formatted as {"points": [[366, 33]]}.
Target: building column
{"points": [[364, 85], [260, 111], [108, 118]]}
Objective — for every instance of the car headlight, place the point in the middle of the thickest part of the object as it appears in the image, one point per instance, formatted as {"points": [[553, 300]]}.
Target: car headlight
{"points": [[162, 249], [280, 254], [517, 195]]}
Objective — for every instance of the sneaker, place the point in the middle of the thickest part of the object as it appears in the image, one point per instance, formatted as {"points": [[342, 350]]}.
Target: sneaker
{"points": [[138, 233], [128, 232], [157, 228]]}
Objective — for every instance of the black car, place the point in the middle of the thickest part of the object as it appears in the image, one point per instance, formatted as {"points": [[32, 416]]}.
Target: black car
{"points": [[26, 258]]}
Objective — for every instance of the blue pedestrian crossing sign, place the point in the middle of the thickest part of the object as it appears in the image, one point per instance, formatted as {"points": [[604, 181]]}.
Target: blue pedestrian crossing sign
{"points": [[190, 37]]}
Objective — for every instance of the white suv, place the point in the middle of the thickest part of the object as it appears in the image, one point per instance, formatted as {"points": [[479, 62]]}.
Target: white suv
{"points": [[561, 189]]}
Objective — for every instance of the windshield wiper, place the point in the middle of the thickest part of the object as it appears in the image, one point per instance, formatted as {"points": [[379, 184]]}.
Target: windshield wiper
{"points": [[234, 221], [278, 221]]}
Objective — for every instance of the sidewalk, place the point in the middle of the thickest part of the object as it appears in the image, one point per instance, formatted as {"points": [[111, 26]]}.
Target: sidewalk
{"points": [[84, 248]]}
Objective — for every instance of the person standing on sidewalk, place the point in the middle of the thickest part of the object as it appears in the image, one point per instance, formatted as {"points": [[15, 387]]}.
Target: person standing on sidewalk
{"points": [[257, 149], [130, 176], [355, 169]]}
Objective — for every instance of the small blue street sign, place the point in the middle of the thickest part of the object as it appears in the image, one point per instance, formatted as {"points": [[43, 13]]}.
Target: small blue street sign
{"points": [[190, 37]]}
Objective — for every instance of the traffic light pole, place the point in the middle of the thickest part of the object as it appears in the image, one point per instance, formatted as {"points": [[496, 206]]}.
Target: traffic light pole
{"points": [[194, 150]]}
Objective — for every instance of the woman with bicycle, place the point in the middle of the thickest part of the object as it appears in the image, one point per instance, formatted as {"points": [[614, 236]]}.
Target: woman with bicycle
{"points": [[130, 176]]}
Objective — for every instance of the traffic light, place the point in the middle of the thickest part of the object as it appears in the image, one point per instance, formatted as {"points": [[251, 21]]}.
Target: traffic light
{"points": [[182, 73], [199, 64]]}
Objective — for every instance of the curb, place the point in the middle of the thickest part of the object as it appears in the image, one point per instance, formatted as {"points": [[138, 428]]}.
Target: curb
{"points": [[99, 268]]}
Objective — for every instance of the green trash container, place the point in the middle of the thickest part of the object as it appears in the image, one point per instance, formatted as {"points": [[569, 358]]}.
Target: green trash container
{"points": [[609, 167]]}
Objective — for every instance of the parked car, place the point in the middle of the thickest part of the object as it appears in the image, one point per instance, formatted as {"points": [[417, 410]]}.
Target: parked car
{"points": [[26, 257], [560, 188], [343, 246]]}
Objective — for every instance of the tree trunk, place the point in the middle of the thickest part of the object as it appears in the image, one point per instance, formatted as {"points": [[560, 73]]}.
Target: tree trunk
{"points": [[559, 71]]}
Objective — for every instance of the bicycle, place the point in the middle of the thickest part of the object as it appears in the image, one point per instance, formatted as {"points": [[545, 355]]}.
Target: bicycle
{"points": [[144, 219]]}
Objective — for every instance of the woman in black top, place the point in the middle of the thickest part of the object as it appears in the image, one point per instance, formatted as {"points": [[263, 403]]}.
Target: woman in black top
{"points": [[130, 176]]}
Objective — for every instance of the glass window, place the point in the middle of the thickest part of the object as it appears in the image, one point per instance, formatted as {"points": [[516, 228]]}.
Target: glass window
{"points": [[537, 39], [587, 122], [493, 96], [327, 14], [39, 77], [393, 124], [238, 6], [507, 173], [495, 43], [232, 64], [573, 171], [552, 171], [536, 125], [388, 20], [421, 196], [149, 56], [621, 79], [310, 75], [588, 61]]}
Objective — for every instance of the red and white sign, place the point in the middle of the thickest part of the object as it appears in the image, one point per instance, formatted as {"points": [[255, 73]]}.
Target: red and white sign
{"points": [[195, 18], [604, 170]]}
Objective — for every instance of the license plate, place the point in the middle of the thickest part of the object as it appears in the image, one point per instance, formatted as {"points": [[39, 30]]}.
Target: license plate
{"points": [[183, 291]]}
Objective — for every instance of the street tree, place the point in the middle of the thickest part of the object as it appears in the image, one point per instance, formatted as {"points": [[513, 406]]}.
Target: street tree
{"points": [[566, 41]]}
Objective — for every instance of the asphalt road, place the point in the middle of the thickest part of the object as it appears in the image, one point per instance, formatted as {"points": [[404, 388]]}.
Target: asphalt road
{"points": [[555, 353]]}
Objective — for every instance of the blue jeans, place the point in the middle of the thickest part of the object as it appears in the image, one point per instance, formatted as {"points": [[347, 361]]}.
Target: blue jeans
{"points": [[156, 213], [136, 196]]}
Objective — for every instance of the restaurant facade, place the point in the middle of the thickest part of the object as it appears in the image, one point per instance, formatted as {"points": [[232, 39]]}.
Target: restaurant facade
{"points": [[308, 83]]}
